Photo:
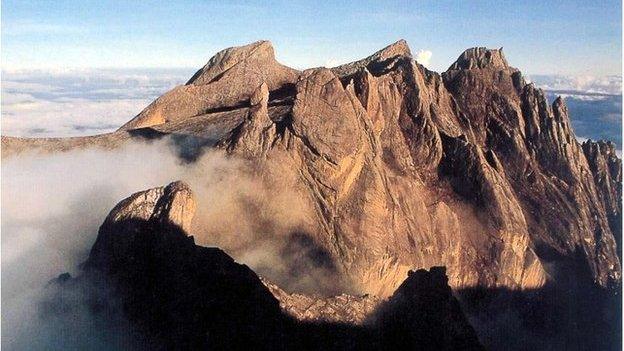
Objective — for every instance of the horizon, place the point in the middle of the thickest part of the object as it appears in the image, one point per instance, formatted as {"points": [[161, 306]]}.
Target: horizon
{"points": [[418, 56], [87, 35], [66, 102]]}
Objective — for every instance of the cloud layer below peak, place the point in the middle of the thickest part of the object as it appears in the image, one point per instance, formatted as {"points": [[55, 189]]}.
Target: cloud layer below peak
{"points": [[79, 102]]}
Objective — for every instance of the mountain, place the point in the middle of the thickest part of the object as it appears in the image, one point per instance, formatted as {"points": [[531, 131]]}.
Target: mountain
{"points": [[405, 168]]}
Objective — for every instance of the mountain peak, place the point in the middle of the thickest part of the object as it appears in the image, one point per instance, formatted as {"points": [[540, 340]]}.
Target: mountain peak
{"points": [[480, 58], [396, 49], [261, 50]]}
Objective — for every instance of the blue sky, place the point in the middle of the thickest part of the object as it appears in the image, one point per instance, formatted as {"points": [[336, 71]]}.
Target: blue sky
{"points": [[549, 37]]}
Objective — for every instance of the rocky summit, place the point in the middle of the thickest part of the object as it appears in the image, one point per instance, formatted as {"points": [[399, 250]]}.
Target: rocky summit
{"points": [[404, 168]]}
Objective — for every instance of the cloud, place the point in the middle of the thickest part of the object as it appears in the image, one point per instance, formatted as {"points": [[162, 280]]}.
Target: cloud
{"points": [[584, 83], [52, 206], [49, 224], [75, 102], [424, 57], [333, 62]]}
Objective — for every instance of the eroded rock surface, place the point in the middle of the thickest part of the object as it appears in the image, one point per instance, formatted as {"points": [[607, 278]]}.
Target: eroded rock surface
{"points": [[172, 205], [475, 149], [343, 308], [225, 83], [606, 168]]}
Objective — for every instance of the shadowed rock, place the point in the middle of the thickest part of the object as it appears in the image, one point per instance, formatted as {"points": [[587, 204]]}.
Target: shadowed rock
{"points": [[178, 295]]}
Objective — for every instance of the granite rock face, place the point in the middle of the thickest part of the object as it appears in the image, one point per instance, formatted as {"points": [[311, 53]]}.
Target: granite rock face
{"points": [[172, 205], [606, 168], [471, 169], [182, 295], [227, 81], [342, 308]]}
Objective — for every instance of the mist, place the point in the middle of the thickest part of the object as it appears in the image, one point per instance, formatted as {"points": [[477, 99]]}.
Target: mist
{"points": [[54, 204]]}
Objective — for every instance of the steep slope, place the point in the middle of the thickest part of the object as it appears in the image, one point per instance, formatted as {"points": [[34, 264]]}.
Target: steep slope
{"points": [[606, 168], [545, 166], [470, 169]]}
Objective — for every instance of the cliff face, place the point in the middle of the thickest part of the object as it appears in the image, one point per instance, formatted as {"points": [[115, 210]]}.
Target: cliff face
{"points": [[371, 141], [606, 168], [226, 82], [405, 168], [471, 169]]}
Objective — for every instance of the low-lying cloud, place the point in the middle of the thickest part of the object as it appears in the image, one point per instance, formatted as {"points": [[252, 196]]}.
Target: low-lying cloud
{"points": [[582, 84], [54, 204]]}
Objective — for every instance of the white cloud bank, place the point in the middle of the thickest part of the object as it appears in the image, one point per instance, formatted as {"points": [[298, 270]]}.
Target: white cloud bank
{"points": [[586, 84], [52, 206], [79, 102]]}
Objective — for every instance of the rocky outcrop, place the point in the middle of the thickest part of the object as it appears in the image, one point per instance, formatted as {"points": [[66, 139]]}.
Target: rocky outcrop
{"points": [[172, 205], [377, 137], [389, 53], [423, 301], [343, 308], [480, 58], [178, 295], [543, 161], [185, 296]]}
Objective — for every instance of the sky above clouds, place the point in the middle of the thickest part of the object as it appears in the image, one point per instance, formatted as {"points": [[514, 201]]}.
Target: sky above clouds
{"points": [[548, 37]]}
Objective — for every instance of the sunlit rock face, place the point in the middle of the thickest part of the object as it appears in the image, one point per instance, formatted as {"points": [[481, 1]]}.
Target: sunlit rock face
{"points": [[470, 169]]}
